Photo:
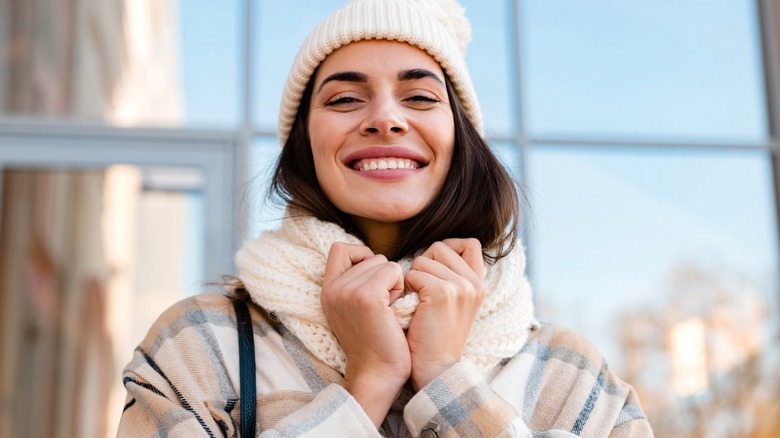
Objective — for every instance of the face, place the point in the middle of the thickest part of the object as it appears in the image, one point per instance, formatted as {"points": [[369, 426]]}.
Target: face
{"points": [[381, 131]]}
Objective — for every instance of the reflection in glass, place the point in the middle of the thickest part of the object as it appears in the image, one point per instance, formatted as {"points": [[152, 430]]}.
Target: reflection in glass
{"points": [[666, 260], [88, 259], [137, 63]]}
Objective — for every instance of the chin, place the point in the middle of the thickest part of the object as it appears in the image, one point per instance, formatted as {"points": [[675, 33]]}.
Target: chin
{"points": [[389, 214]]}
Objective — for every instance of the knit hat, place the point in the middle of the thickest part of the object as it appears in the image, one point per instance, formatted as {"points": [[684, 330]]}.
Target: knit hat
{"points": [[439, 27]]}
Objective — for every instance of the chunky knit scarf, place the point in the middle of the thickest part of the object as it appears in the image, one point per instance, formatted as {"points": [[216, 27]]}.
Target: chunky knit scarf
{"points": [[283, 271]]}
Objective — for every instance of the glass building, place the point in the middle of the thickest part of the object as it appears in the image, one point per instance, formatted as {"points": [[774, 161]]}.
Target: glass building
{"points": [[137, 137]]}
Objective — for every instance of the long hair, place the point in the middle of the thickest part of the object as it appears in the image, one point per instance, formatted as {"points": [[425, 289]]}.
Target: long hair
{"points": [[477, 200]]}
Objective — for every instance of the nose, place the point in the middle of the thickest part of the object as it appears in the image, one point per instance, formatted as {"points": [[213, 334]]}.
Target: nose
{"points": [[385, 117]]}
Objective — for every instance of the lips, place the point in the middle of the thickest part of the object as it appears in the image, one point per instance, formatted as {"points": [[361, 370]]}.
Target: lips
{"points": [[385, 158]]}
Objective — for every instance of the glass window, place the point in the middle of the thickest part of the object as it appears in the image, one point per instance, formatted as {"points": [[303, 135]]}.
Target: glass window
{"points": [[89, 258], [262, 212], [616, 68], [211, 44], [509, 155], [490, 63], [666, 260], [139, 63], [282, 27]]}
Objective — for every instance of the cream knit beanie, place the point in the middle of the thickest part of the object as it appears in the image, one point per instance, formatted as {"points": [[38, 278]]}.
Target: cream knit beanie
{"points": [[439, 27]]}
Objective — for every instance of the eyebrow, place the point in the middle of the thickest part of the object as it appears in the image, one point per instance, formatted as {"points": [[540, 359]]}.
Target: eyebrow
{"points": [[403, 75], [344, 76], [418, 73]]}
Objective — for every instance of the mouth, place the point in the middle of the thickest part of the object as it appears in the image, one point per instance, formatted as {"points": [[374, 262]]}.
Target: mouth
{"points": [[385, 158], [385, 164]]}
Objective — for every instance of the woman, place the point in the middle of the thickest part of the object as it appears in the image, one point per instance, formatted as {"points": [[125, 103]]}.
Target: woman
{"points": [[392, 300]]}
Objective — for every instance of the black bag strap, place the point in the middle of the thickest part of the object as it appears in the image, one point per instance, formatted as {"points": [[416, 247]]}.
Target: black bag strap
{"points": [[246, 360]]}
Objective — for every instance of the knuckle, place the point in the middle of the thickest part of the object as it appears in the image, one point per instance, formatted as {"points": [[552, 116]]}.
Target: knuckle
{"points": [[379, 257], [337, 249], [328, 295], [473, 242], [417, 263], [338, 246], [439, 246], [395, 268]]}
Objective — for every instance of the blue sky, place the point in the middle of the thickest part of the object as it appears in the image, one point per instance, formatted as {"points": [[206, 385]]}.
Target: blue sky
{"points": [[608, 222]]}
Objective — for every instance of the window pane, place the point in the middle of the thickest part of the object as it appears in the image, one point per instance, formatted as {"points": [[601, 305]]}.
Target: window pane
{"points": [[282, 28], [667, 261], [211, 77], [509, 155], [611, 67], [489, 63], [263, 214], [89, 258], [138, 63]]}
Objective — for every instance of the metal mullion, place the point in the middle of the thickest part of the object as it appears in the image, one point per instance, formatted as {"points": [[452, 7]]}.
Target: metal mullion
{"points": [[78, 144], [520, 137], [33, 127], [79, 152], [245, 135], [769, 47], [637, 143], [263, 133]]}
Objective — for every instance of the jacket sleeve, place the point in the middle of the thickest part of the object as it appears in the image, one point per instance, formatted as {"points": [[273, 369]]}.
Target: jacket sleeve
{"points": [[156, 407], [460, 403], [183, 382], [560, 385], [153, 412], [333, 412]]}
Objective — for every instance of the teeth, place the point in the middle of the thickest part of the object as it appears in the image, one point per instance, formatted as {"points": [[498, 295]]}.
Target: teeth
{"points": [[386, 163]]}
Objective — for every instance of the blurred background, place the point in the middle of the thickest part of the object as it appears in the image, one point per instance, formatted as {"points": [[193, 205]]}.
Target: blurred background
{"points": [[136, 139]]}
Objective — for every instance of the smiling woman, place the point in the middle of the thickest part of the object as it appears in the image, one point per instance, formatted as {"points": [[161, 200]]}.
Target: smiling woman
{"points": [[392, 300]]}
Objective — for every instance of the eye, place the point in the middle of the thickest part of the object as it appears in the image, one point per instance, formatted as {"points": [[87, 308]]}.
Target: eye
{"points": [[424, 99], [342, 101]]}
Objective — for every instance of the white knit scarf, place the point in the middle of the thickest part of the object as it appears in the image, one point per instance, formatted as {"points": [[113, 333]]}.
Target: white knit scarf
{"points": [[283, 271]]}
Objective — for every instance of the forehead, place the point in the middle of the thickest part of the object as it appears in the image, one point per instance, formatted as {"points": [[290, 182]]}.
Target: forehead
{"points": [[375, 57]]}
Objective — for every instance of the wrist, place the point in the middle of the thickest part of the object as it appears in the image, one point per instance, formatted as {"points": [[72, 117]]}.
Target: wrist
{"points": [[375, 394]]}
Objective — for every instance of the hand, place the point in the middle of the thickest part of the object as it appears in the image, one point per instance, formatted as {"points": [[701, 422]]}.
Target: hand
{"points": [[357, 291], [449, 278]]}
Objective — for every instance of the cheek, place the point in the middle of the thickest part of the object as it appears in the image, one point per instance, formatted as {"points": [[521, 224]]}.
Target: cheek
{"points": [[326, 168], [447, 140], [318, 141], [326, 134]]}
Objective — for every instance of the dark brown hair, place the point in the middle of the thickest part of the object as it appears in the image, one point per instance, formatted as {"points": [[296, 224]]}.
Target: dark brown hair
{"points": [[478, 198]]}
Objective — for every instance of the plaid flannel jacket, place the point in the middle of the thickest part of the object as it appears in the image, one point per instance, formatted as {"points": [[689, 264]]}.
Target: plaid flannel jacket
{"points": [[184, 380]]}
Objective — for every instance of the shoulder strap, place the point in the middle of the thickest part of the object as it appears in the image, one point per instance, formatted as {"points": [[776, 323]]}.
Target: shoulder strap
{"points": [[246, 356]]}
